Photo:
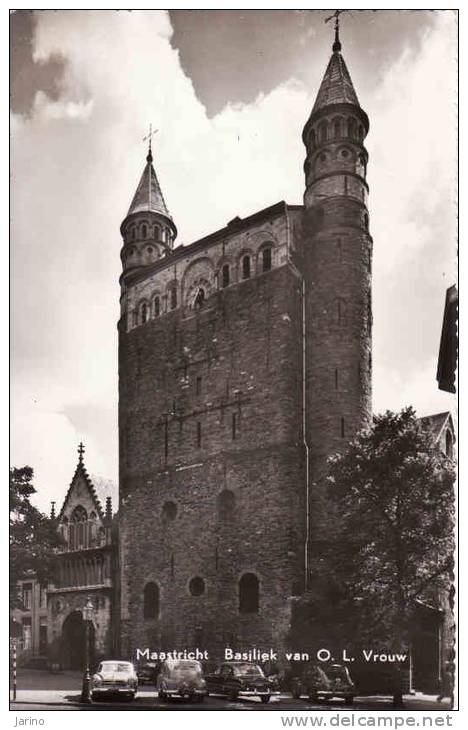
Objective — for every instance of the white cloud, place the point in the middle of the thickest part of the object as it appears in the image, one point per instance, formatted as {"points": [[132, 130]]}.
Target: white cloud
{"points": [[76, 163]]}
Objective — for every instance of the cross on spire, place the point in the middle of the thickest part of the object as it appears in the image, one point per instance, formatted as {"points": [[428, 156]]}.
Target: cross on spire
{"points": [[81, 450], [336, 15], [149, 137]]}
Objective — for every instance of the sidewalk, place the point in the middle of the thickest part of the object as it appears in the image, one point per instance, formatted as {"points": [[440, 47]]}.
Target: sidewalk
{"points": [[71, 697]]}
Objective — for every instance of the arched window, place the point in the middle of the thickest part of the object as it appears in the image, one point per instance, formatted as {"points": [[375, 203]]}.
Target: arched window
{"points": [[156, 307], [143, 313], [173, 297], [366, 221], [322, 131], [168, 235], [157, 232], [312, 138], [337, 128], [225, 276], [79, 517], [361, 132], [151, 601], [351, 127], [144, 230], [266, 259], [197, 586], [248, 593], [449, 444], [246, 267], [226, 505]]}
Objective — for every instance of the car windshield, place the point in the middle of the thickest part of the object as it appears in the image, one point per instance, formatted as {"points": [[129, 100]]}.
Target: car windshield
{"points": [[186, 668], [115, 667], [337, 673], [242, 670]]}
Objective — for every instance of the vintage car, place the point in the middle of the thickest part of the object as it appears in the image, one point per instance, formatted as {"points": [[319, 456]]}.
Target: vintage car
{"points": [[148, 672], [324, 683], [114, 677], [240, 679], [181, 678]]}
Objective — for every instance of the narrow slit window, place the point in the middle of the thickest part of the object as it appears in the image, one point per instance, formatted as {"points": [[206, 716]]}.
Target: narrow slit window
{"points": [[225, 276], [198, 385], [199, 435], [246, 267], [342, 428], [234, 426]]}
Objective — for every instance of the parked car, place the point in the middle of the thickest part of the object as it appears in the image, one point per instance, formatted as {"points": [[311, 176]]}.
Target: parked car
{"points": [[324, 683], [148, 672], [114, 677], [239, 679], [181, 678]]}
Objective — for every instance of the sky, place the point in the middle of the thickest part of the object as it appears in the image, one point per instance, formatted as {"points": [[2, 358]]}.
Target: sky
{"points": [[229, 92]]}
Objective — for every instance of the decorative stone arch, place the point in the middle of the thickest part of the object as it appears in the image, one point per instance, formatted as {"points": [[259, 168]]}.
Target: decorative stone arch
{"points": [[198, 277], [144, 229]]}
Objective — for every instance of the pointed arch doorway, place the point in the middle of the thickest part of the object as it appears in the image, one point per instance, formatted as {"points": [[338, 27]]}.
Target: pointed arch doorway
{"points": [[73, 642]]}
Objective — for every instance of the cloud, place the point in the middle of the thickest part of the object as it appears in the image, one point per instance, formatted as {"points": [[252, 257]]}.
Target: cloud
{"points": [[76, 161]]}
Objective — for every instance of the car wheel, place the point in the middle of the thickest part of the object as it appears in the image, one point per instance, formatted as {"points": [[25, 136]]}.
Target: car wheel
{"points": [[199, 698], [232, 695], [296, 694], [313, 697], [162, 695], [265, 699], [349, 700]]}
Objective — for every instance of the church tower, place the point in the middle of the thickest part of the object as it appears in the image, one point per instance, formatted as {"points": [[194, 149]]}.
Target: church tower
{"points": [[337, 265], [148, 230]]}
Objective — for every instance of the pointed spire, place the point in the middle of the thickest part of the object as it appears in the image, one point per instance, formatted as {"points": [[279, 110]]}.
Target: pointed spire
{"points": [[336, 86]]}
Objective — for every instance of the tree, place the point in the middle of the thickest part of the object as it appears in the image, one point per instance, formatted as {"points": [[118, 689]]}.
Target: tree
{"points": [[393, 490], [33, 535]]}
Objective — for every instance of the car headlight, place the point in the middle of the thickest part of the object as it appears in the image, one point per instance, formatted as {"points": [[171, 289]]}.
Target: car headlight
{"points": [[202, 683], [97, 680]]}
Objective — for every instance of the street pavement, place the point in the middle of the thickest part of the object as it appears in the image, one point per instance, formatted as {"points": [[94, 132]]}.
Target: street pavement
{"points": [[42, 690]]}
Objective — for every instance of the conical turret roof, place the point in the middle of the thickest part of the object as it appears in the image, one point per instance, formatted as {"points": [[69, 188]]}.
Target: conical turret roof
{"points": [[148, 196], [336, 87]]}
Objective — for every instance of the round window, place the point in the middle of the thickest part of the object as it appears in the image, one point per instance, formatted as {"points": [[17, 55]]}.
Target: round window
{"points": [[323, 157], [169, 511], [344, 153], [197, 586]]}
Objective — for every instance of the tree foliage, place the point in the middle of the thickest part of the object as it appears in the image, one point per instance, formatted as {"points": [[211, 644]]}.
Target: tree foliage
{"points": [[33, 535], [393, 490]]}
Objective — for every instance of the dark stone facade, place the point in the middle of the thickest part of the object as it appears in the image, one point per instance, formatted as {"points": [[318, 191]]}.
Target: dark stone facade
{"points": [[236, 381]]}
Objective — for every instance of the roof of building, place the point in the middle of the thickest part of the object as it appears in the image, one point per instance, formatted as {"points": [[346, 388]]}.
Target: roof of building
{"points": [[99, 489], [148, 196], [336, 86], [235, 225], [435, 423]]}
